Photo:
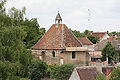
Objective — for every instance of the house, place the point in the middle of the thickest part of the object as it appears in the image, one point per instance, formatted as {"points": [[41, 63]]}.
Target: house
{"points": [[97, 54], [60, 46], [100, 35], [84, 73], [86, 42], [116, 43], [90, 72]]}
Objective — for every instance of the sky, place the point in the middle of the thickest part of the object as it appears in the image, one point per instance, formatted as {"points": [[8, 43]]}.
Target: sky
{"points": [[104, 14]]}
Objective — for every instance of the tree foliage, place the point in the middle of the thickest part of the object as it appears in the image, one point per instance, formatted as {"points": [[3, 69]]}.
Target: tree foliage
{"points": [[15, 58], [93, 39], [61, 72], [37, 69], [77, 33], [115, 75], [109, 52], [100, 76]]}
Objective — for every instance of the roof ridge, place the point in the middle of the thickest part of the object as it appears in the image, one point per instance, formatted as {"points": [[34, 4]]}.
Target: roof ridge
{"points": [[62, 36]]}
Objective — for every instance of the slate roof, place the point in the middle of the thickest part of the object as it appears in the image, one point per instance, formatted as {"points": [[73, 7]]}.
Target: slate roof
{"points": [[115, 42], [88, 73], [85, 41], [99, 34], [57, 37], [101, 45]]}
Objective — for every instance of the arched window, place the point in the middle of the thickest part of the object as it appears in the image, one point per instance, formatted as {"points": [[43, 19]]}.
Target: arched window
{"points": [[53, 53], [73, 55]]}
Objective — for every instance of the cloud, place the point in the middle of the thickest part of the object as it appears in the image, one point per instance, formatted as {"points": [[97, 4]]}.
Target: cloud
{"points": [[105, 14]]}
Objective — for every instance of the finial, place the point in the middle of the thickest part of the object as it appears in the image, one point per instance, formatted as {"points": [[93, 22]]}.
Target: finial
{"points": [[58, 10]]}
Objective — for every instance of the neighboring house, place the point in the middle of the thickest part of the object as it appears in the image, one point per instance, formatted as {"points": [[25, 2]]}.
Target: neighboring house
{"points": [[90, 72], [86, 42], [116, 43], [100, 35], [60, 46], [97, 54], [84, 73]]}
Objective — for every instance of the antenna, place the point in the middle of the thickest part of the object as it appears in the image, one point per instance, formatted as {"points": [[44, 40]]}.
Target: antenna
{"points": [[89, 18]]}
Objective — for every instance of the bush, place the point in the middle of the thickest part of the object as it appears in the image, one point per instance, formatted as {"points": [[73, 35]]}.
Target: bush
{"points": [[61, 72], [115, 75], [9, 70], [100, 77], [37, 69]]}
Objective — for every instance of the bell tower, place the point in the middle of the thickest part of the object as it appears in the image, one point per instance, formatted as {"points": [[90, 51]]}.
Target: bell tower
{"points": [[58, 19]]}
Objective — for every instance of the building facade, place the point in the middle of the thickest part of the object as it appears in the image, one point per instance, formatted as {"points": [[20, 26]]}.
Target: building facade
{"points": [[60, 46]]}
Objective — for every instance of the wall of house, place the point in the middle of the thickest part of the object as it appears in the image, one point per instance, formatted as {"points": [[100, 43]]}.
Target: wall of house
{"points": [[47, 56], [104, 37], [81, 58], [74, 75]]}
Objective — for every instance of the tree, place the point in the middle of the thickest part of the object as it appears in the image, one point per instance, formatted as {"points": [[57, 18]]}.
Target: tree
{"points": [[8, 69], [2, 6], [62, 72], [13, 50], [34, 32], [87, 32], [115, 75], [77, 33], [93, 39], [15, 32], [37, 69], [100, 76], [108, 52]]}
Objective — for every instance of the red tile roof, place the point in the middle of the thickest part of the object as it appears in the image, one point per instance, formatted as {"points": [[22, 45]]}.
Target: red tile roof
{"points": [[57, 37], [99, 34], [87, 73], [85, 41]]}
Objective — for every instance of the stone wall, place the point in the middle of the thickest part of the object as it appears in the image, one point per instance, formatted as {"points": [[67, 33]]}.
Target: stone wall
{"points": [[81, 58]]}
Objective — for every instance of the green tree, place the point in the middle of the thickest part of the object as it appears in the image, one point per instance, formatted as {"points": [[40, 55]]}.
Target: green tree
{"points": [[77, 33], [109, 52], [34, 32], [93, 39], [115, 75], [2, 6], [61, 72], [8, 69], [37, 69], [100, 77], [87, 32], [13, 50]]}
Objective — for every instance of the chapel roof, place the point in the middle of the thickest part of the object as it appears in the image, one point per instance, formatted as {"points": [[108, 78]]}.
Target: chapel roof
{"points": [[57, 37]]}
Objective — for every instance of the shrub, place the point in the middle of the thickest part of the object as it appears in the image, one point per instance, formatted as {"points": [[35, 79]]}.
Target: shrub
{"points": [[61, 72], [100, 77], [37, 69], [115, 75]]}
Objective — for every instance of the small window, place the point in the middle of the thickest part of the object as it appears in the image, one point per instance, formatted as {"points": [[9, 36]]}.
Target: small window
{"points": [[73, 55], [53, 54]]}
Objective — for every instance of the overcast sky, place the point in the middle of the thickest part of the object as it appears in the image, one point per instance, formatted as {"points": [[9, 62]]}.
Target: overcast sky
{"points": [[105, 14]]}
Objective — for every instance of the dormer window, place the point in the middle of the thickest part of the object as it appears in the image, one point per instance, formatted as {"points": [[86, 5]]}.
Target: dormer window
{"points": [[53, 53]]}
